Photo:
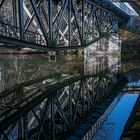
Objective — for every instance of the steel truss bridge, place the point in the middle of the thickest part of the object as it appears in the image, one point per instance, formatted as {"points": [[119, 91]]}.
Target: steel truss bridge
{"points": [[57, 24], [49, 108]]}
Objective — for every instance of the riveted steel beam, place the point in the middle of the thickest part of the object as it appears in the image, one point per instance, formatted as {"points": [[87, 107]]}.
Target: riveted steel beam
{"points": [[21, 18]]}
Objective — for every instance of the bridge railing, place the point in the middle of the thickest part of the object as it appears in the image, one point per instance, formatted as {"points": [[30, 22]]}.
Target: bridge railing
{"points": [[11, 31], [49, 110], [123, 7]]}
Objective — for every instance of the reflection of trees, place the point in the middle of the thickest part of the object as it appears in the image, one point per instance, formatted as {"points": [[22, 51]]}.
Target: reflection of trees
{"points": [[132, 71], [101, 63], [17, 69]]}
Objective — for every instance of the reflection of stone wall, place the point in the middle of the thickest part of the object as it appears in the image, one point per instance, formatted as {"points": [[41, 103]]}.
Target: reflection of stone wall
{"points": [[17, 69], [101, 63], [103, 55], [93, 59], [114, 63], [114, 43]]}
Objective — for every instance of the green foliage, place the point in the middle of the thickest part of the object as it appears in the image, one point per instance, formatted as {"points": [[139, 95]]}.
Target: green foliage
{"points": [[130, 53]]}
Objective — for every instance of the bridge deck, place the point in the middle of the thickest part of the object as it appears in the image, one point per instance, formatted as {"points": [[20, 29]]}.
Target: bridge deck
{"points": [[108, 4]]}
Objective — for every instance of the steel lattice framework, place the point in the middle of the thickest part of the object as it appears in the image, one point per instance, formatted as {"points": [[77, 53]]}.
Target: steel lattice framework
{"points": [[49, 110], [53, 24]]}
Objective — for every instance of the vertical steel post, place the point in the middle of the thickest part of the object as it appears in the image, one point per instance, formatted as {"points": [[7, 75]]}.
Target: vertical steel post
{"points": [[97, 21], [25, 125], [69, 21], [70, 104], [20, 129], [92, 92], [83, 16], [52, 120], [82, 98], [50, 19], [14, 4], [21, 19], [93, 21]]}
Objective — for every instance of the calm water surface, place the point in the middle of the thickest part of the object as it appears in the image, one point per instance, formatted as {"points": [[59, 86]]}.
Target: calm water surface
{"points": [[113, 126], [16, 69]]}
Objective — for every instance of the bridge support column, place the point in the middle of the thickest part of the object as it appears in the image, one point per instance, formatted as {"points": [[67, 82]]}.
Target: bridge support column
{"points": [[69, 21], [21, 19], [50, 18], [83, 15]]}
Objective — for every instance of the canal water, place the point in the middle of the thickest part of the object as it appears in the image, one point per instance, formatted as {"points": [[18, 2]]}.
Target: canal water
{"points": [[101, 58], [16, 69], [113, 126]]}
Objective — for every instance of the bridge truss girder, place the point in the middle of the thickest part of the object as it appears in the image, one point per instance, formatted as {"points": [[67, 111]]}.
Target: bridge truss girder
{"points": [[51, 24]]}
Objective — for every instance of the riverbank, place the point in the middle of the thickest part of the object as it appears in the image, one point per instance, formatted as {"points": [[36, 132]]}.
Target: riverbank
{"points": [[132, 127]]}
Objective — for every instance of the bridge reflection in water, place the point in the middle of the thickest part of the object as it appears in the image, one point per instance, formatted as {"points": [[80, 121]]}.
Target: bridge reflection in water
{"points": [[46, 97]]}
